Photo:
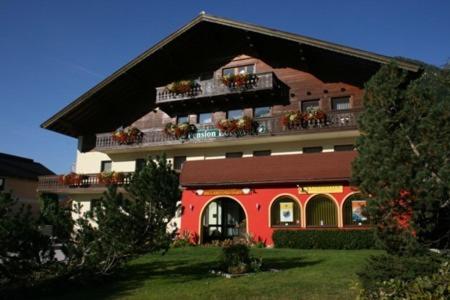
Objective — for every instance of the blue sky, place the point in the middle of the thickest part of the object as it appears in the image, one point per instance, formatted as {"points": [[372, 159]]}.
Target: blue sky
{"points": [[53, 51]]}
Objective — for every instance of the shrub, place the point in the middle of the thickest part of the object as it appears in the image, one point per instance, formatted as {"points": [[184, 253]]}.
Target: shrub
{"points": [[236, 259], [324, 239], [184, 239], [434, 286], [382, 268]]}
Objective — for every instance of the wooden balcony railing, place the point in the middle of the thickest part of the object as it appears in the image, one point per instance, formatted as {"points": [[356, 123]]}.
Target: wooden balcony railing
{"points": [[80, 182], [268, 126], [215, 87]]}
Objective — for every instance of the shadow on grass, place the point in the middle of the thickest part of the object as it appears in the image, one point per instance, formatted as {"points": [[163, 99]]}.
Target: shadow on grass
{"points": [[177, 271]]}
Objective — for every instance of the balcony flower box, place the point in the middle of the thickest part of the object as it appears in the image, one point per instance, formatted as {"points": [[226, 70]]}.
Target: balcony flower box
{"points": [[240, 127], [72, 179], [292, 119], [179, 131], [182, 87], [127, 136], [111, 178], [240, 80]]}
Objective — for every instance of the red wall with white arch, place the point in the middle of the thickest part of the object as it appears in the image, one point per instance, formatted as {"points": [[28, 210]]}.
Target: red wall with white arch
{"points": [[256, 206]]}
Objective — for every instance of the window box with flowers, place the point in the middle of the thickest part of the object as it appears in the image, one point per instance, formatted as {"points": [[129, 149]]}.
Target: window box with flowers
{"points": [[112, 178], [180, 131], [182, 87], [73, 179], [239, 127], [240, 81], [127, 136], [292, 119], [315, 117]]}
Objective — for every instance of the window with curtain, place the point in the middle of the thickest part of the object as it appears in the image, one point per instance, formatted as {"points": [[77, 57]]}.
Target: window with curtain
{"points": [[310, 104], [235, 114], [106, 166], [182, 119], [321, 211], [260, 112], [204, 118], [340, 103], [285, 211]]}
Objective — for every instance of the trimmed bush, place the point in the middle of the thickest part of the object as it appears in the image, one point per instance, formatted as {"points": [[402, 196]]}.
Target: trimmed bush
{"points": [[324, 239]]}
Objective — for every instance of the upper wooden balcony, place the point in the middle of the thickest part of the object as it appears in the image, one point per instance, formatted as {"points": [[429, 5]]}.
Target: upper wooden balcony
{"points": [[157, 139], [215, 87]]}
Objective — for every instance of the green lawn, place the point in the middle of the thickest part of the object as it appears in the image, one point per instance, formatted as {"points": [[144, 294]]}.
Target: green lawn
{"points": [[183, 274]]}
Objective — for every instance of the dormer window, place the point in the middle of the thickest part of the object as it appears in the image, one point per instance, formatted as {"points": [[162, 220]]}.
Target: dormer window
{"points": [[248, 69]]}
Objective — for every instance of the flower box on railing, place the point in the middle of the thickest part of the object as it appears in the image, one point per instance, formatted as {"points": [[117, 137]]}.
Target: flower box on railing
{"points": [[111, 178], [240, 127], [127, 136], [72, 179], [240, 80], [181, 87], [179, 131], [310, 119]]}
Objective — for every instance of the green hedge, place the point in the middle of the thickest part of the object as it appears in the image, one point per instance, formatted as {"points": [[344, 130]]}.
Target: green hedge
{"points": [[324, 239]]}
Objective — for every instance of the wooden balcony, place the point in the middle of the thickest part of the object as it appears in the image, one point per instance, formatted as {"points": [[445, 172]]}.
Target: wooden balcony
{"points": [[215, 87], [84, 184], [267, 127]]}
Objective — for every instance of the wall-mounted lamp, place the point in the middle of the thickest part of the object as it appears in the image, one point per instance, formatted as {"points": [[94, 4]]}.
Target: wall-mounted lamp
{"points": [[246, 191], [199, 192], [191, 207], [258, 206]]}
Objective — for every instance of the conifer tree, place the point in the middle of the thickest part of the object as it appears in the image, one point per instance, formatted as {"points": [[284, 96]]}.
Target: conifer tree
{"points": [[403, 163]]}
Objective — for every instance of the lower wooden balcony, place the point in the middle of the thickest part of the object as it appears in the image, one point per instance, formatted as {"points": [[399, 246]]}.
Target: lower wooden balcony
{"points": [[79, 183], [266, 127]]}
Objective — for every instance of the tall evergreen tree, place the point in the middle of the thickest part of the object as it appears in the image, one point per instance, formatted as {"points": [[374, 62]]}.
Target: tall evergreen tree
{"points": [[24, 251], [403, 163]]}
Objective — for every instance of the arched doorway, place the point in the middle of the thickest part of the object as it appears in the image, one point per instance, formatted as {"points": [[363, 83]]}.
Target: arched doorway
{"points": [[354, 211], [321, 211], [223, 218]]}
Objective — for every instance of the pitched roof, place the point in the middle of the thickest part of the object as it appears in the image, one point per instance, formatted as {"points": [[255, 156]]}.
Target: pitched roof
{"points": [[266, 170], [21, 167], [129, 83]]}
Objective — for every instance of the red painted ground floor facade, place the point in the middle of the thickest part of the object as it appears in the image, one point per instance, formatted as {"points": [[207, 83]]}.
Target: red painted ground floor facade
{"points": [[214, 216], [224, 199]]}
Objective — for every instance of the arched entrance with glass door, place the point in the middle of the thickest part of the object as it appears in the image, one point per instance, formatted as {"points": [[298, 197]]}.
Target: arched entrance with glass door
{"points": [[223, 218]]}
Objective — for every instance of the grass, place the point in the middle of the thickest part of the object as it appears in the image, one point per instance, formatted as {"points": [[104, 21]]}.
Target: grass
{"points": [[183, 274]]}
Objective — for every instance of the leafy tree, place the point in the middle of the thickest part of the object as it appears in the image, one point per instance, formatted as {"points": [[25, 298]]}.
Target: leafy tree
{"points": [[403, 163], [119, 226]]}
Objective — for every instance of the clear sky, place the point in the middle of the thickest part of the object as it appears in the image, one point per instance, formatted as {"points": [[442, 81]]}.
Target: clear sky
{"points": [[53, 51]]}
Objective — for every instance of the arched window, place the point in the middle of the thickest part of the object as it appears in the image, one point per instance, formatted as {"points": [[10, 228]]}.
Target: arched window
{"points": [[321, 211], [354, 212], [285, 211]]}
